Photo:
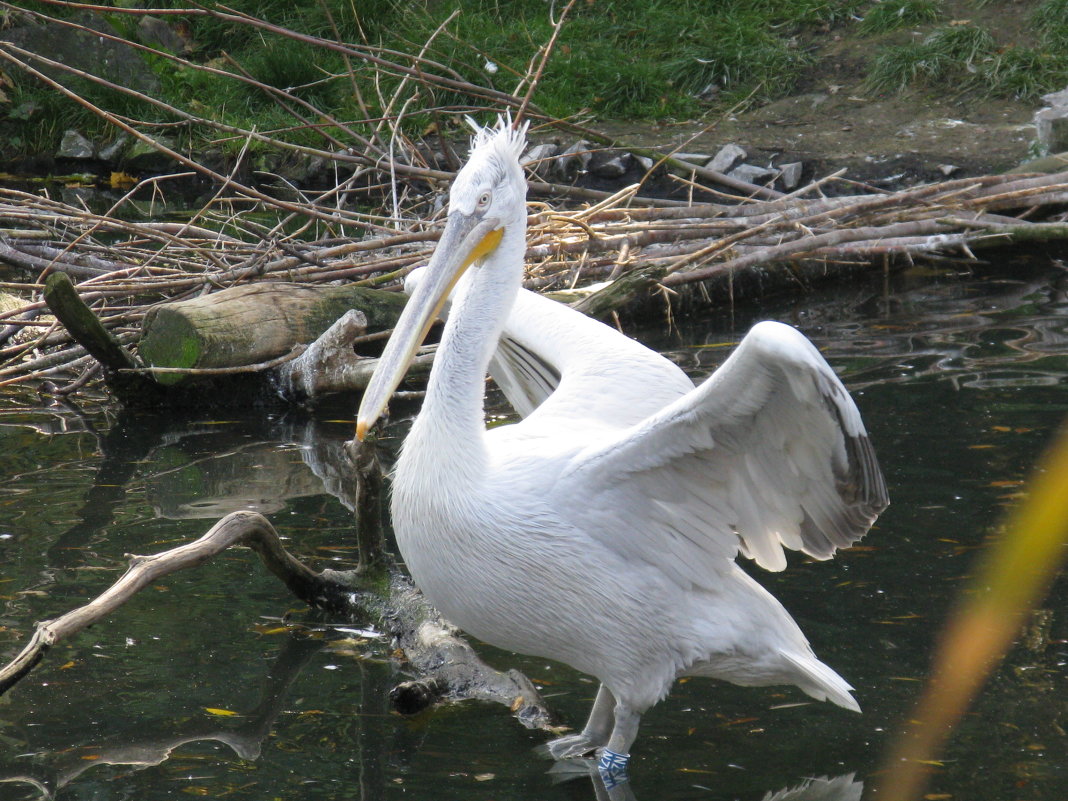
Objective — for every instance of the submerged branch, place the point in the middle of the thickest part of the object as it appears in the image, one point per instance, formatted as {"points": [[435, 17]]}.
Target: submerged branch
{"points": [[431, 647]]}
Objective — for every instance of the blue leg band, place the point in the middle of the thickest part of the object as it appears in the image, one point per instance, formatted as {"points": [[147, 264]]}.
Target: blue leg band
{"points": [[613, 767]]}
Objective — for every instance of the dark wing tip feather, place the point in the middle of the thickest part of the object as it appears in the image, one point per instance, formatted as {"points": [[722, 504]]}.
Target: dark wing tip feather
{"points": [[859, 483]]}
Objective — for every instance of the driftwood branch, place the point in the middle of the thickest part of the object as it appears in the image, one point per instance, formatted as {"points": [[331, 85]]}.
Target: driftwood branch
{"points": [[431, 647], [239, 528]]}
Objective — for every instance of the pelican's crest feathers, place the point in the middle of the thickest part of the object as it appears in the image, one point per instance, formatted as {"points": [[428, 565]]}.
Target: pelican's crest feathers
{"points": [[500, 143]]}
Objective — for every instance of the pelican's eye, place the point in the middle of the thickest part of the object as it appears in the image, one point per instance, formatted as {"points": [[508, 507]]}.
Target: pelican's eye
{"points": [[484, 201]]}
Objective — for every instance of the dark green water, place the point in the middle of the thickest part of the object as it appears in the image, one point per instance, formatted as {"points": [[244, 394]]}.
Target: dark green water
{"points": [[962, 378]]}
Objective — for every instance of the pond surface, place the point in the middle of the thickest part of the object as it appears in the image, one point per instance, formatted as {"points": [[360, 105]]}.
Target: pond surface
{"points": [[209, 684]]}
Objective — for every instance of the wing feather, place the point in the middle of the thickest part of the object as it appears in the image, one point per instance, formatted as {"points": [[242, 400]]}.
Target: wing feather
{"points": [[769, 452]]}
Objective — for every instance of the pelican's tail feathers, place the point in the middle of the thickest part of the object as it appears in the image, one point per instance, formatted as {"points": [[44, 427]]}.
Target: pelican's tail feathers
{"points": [[822, 683]]}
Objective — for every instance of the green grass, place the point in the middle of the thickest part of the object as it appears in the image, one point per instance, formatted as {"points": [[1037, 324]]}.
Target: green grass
{"points": [[1051, 21], [1025, 73], [892, 15], [968, 58], [634, 59], [616, 58]]}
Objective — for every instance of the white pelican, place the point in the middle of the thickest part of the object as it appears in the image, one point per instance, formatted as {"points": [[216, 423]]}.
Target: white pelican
{"points": [[601, 530]]}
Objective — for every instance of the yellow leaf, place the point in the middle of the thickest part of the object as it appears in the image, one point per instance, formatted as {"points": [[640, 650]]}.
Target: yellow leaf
{"points": [[121, 180], [222, 713], [68, 666]]}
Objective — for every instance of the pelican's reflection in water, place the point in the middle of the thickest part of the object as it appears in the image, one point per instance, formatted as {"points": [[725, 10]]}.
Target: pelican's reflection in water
{"points": [[840, 788]]}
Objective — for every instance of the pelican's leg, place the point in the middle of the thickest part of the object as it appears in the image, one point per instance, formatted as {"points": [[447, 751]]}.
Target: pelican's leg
{"points": [[613, 758], [594, 735]]}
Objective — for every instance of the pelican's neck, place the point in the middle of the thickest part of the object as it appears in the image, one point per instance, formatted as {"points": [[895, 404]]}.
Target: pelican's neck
{"points": [[451, 425]]}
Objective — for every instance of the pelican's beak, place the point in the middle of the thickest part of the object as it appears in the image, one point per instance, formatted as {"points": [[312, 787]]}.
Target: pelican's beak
{"points": [[465, 240]]}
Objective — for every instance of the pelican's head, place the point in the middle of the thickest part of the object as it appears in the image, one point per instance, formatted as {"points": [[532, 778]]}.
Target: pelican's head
{"points": [[487, 200]]}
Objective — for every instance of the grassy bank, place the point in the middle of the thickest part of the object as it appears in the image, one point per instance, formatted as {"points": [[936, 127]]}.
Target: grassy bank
{"points": [[636, 59]]}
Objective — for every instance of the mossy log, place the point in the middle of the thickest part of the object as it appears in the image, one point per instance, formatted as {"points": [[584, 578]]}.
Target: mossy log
{"points": [[253, 323]]}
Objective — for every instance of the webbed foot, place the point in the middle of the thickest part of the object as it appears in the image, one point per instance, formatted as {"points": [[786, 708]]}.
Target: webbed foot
{"points": [[571, 746]]}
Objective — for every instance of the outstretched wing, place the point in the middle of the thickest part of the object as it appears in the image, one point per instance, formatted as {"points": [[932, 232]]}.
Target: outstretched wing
{"points": [[769, 452]]}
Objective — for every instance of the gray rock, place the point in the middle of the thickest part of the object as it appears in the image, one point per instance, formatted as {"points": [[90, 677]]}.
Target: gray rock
{"points": [[114, 61], [112, 151], [75, 146], [752, 174], [573, 161], [142, 157], [157, 32], [1055, 162], [609, 164], [790, 175], [1051, 126], [1056, 99], [727, 158], [644, 162], [540, 158]]}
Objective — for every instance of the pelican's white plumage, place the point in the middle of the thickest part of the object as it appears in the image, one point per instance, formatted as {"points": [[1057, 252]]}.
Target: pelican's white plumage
{"points": [[602, 529]]}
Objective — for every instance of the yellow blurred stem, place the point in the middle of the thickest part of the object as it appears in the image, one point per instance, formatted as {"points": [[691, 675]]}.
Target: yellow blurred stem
{"points": [[1013, 575]]}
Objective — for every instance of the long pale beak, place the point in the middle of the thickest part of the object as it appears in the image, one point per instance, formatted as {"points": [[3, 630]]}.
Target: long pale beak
{"points": [[465, 240]]}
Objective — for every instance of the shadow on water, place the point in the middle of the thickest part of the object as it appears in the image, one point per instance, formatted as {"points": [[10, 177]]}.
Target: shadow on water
{"points": [[214, 683]]}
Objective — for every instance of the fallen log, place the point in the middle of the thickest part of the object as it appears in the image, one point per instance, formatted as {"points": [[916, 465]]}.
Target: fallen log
{"points": [[254, 323], [224, 331]]}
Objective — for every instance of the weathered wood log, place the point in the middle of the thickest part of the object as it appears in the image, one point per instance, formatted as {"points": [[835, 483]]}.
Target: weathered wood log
{"points": [[330, 365], [287, 314], [253, 323]]}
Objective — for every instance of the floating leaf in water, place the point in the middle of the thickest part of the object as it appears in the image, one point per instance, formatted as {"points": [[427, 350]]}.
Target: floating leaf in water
{"points": [[222, 713], [68, 666], [484, 777], [121, 180], [262, 629]]}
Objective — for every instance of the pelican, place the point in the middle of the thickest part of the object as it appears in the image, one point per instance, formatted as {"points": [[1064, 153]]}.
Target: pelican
{"points": [[602, 529]]}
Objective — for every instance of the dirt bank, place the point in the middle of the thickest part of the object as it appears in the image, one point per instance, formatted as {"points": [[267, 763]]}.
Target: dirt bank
{"points": [[892, 141]]}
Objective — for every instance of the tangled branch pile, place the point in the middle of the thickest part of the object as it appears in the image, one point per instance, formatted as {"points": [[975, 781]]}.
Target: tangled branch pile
{"points": [[123, 268]]}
